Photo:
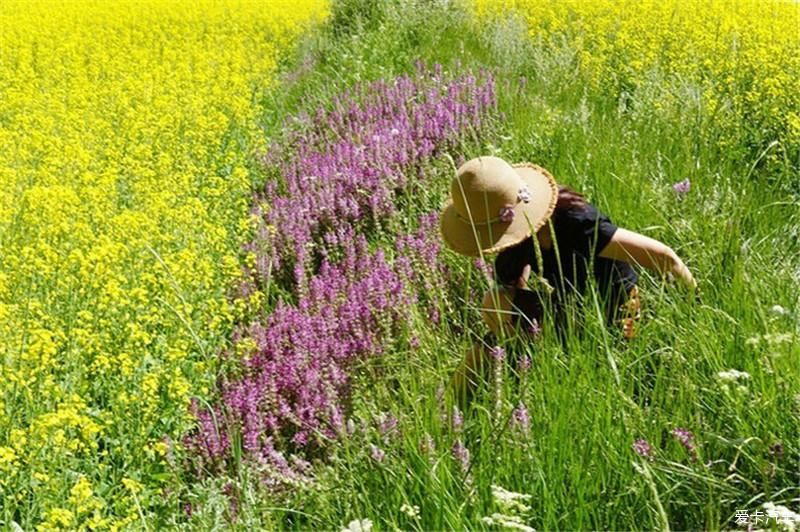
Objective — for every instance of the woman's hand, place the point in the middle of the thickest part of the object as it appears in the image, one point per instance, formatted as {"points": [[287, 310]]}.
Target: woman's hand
{"points": [[630, 246], [522, 281]]}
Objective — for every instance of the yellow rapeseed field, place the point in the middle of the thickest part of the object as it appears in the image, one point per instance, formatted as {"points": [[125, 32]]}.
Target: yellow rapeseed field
{"points": [[125, 129], [744, 55]]}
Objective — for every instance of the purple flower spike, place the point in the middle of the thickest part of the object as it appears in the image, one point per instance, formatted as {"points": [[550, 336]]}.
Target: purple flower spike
{"points": [[686, 439], [387, 427], [524, 195], [507, 213], [485, 268], [457, 419], [524, 364], [520, 418], [376, 453], [341, 166], [461, 454], [533, 328], [643, 448], [682, 187], [426, 444], [498, 353]]}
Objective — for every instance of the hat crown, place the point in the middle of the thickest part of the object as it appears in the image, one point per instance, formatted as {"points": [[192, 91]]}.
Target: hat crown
{"points": [[482, 187]]}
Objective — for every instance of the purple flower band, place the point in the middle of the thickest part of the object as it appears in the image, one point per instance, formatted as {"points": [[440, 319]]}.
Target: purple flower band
{"points": [[507, 213]]}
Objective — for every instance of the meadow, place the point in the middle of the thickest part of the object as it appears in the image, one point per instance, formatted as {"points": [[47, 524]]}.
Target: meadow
{"points": [[225, 303]]}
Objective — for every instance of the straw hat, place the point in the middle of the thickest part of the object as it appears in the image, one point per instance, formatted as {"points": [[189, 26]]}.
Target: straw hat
{"points": [[505, 205]]}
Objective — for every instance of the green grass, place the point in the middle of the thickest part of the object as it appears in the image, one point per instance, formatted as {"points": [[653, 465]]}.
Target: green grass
{"points": [[737, 230]]}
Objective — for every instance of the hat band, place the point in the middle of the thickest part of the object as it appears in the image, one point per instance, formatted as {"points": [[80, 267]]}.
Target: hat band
{"points": [[506, 213], [485, 222]]}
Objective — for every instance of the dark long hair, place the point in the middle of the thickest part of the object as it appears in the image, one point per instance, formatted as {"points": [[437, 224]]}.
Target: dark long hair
{"points": [[568, 199]]}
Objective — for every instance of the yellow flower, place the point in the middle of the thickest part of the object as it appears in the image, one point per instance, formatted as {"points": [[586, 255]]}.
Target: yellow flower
{"points": [[58, 518], [131, 485], [8, 457], [122, 208], [742, 53]]}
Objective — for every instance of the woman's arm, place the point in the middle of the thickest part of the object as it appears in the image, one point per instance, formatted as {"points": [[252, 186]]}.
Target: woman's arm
{"points": [[629, 246]]}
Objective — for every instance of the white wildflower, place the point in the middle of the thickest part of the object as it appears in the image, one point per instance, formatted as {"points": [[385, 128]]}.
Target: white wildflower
{"points": [[358, 525], [732, 375], [785, 518], [781, 338], [507, 521], [509, 500], [772, 339], [777, 310], [411, 511]]}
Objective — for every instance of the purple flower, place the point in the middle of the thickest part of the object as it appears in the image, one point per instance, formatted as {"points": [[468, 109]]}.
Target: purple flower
{"points": [[686, 439], [497, 353], [485, 268], [520, 418], [387, 426], [532, 327], [461, 454], [524, 194], [341, 167], [506, 213], [415, 118], [682, 187], [524, 364], [457, 419], [376, 453], [643, 448], [426, 444]]}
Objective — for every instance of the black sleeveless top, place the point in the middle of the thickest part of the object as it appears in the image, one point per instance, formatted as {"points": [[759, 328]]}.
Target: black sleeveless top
{"points": [[581, 233]]}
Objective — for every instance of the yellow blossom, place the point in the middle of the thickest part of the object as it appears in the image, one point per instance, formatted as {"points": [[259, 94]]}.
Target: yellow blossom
{"points": [[122, 208]]}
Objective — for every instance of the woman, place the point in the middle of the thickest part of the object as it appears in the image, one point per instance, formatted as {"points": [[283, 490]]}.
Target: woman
{"points": [[548, 235]]}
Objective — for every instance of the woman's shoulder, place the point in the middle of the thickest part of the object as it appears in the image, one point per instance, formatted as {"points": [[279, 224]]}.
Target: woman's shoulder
{"points": [[583, 226], [582, 212]]}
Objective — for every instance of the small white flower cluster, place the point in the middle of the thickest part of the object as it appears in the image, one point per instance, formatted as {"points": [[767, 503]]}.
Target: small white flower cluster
{"points": [[509, 500], [731, 381], [785, 518], [358, 525], [771, 339], [777, 310], [510, 503], [507, 521], [732, 375], [411, 511]]}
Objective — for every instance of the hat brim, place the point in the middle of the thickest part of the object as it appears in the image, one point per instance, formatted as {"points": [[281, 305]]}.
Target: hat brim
{"points": [[474, 240]]}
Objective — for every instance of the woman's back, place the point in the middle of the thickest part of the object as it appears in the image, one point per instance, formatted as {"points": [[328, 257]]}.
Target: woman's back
{"points": [[581, 232]]}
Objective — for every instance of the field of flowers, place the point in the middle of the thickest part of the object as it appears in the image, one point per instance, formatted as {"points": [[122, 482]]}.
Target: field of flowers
{"points": [[739, 56], [224, 302], [125, 137]]}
